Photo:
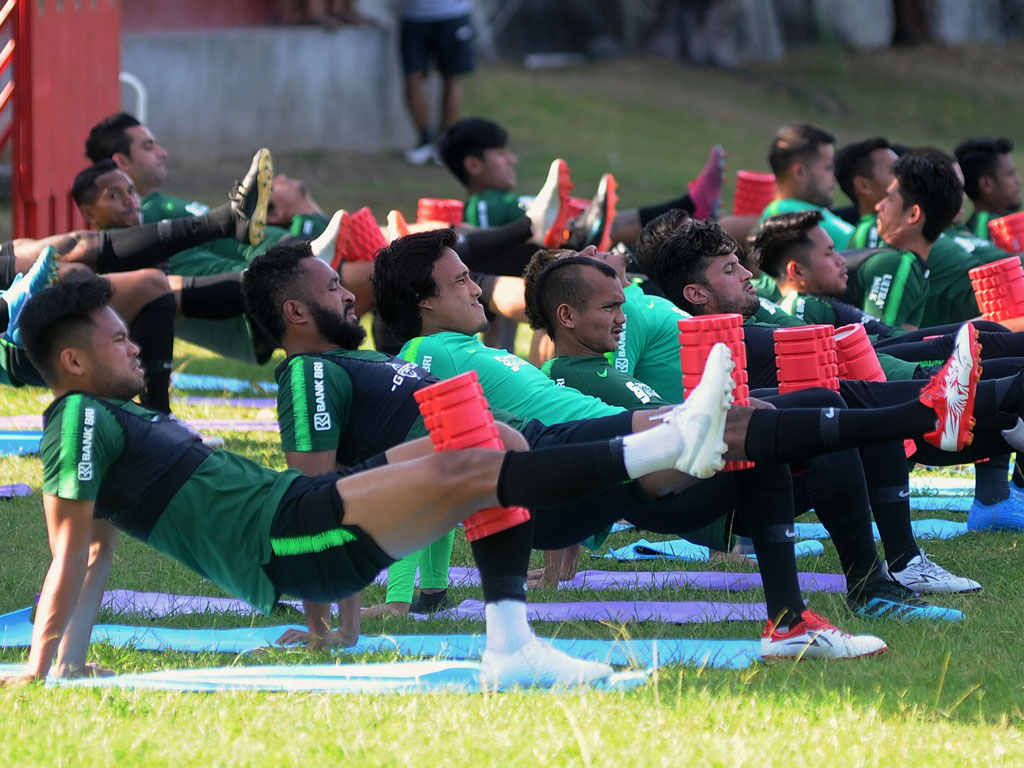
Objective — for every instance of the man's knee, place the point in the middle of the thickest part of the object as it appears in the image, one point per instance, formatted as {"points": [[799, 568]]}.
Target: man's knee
{"points": [[511, 438]]}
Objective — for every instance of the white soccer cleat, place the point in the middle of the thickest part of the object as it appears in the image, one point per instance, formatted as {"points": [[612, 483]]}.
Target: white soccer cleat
{"points": [[701, 419], [537, 663], [549, 211], [922, 575], [813, 637], [951, 393]]}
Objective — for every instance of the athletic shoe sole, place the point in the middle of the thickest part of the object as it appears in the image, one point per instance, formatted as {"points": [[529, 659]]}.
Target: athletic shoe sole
{"points": [[261, 172], [559, 176], [604, 242]]}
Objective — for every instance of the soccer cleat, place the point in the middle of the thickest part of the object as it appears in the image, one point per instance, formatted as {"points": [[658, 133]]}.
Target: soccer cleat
{"points": [[397, 225], [324, 244], [1007, 515], [701, 419], [706, 189], [883, 598], [537, 663], [594, 225], [922, 575], [250, 197], [430, 602], [951, 393], [812, 637], [421, 155], [42, 274], [549, 211]]}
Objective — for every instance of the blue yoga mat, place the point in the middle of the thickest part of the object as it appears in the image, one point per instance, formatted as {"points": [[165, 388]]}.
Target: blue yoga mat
{"points": [[392, 677], [19, 443], [195, 381], [681, 549], [923, 529], [16, 632]]}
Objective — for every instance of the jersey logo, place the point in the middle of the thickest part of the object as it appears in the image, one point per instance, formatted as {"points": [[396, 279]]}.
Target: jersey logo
{"points": [[642, 391], [880, 290], [321, 422], [560, 382], [426, 361], [603, 373], [403, 371], [85, 471], [196, 209], [85, 465]]}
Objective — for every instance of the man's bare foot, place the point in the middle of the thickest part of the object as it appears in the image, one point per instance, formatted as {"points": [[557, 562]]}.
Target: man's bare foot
{"points": [[385, 610]]}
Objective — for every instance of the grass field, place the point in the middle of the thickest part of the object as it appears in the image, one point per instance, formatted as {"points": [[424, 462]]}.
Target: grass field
{"points": [[942, 695]]}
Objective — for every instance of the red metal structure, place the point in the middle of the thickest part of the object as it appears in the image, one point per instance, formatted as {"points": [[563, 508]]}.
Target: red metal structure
{"points": [[66, 57]]}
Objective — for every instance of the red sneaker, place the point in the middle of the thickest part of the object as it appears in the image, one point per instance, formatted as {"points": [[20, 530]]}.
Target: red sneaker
{"points": [[549, 212], [951, 393], [706, 189]]}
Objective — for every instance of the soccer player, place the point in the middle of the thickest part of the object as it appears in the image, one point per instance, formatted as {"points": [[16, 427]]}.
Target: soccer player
{"points": [[991, 180], [864, 172], [111, 465], [802, 159]]}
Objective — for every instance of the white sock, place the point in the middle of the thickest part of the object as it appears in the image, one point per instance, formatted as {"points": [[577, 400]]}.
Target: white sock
{"points": [[507, 627], [1015, 435], [651, 450], [323, 246]]}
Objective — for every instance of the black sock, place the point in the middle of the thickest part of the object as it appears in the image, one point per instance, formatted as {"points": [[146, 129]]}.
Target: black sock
{"points": [[5, 315], [213, 297], [885, 468], [424, 134], [503, 558], [550, 477], [797, 434], [124, 250], [1018, 472], [428, 602], [991, 485], [837, 488], [153, 331], [765, 504], [651, 212], [503, 250]]}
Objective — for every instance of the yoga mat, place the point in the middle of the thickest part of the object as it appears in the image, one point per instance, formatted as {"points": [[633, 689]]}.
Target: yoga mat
{"points": [[234, 402], [33, 422], [692, 612], [193, 381], [927, 485], [681, 549], [18, 489], [19, 443], [16, 632], [390, 677], [923, 529]]}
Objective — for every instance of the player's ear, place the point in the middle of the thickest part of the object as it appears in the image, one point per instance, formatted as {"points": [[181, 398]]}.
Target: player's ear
{"points": [[294, 311], [71, 361], [793, 270], [474, 165], [695, 294], [123, 160], [565, 316]]}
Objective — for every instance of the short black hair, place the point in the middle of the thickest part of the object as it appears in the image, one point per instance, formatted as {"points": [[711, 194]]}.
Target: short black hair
{"points": [[796, 142], [927, 178], [57, 315], [562, 282], [537, 264], [783, 237], [403, 275], [655, 232], [683, 258], [83, 188], [110, 136], [980, 157], [270, 280], [855, 160], [469, 138]]}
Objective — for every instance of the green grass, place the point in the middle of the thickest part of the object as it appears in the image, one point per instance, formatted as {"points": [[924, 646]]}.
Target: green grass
{"points": [[942, 695]]}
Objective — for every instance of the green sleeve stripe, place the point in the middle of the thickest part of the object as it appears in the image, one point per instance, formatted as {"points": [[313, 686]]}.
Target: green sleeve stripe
{"points": [[981, 225], [412, 350], [305, 545], [300, 406], [70, 444], [546, 367], [897, 289]]}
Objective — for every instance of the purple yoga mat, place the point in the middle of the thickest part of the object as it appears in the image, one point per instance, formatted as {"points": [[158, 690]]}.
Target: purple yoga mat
{"points": [[693, 612], [201, 425], [235, 402], [18, 489]]}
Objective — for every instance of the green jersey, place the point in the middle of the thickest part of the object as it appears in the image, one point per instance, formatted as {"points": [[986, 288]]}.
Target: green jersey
{"points": [[767, 288], [509, 382], [866, 233], [213, 517], [595, 376], [839, 230], [770, 313], [649, 343], [893, 286], [492, 208]]}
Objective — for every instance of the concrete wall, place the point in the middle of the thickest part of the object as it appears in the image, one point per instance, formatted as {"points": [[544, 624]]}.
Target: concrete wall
{"points": [[286, 87]]}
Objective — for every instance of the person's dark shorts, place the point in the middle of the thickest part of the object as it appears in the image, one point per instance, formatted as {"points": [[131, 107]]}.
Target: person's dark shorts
{"points": [[448, 42], [7, 266], [316, 556]]}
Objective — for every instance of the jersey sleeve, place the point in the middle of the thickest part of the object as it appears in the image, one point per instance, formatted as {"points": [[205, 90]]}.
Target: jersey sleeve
{"points": [[81, 442], [314, 403], [890, 291], [431, 355]]}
